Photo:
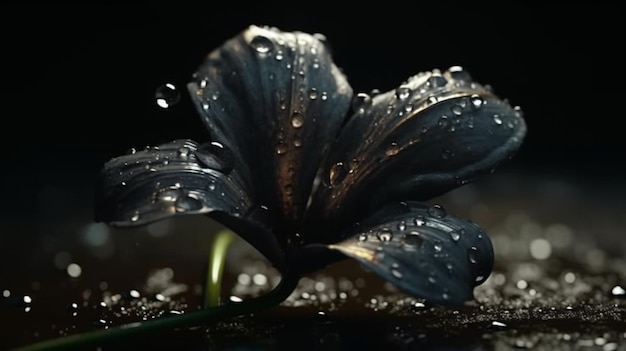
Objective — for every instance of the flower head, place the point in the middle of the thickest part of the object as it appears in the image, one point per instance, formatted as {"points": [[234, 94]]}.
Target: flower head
{"points": [[309, 174]]}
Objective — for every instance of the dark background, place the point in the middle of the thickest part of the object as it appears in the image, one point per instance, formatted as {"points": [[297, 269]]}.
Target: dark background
{"points": [[79, 79]]}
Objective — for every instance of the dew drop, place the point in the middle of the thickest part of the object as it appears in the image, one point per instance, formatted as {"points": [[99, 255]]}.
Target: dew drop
{"points": [[402, 93], [183, 152], [135, 217], [443, 122], [384, 235], [261, 44], [187, 203], [396, 273], [457, 109], [361, 102], [297, 142], [618, 291], [392, 150], [295, 239], [413, 239], [337, 173], [437, 81], [455, 236], [458, 73], [167, 95], [313, 94], [419, 221], [476, 101], [437, 211], [281, 149], [362, 237], [216, 156], [472, 254], [497, 119], [297, 120], [402, 226]]}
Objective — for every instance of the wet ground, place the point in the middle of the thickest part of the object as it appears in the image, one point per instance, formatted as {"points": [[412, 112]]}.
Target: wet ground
{"points": [[559, 281]]}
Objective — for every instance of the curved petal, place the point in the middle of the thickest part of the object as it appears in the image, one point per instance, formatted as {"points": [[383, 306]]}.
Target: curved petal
{"points": [[423, 251], [432, 134], [181, 178], [276, 99]]}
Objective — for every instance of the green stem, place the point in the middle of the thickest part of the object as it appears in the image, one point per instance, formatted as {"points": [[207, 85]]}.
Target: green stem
{"points": [[215, 269], [209, 315]]}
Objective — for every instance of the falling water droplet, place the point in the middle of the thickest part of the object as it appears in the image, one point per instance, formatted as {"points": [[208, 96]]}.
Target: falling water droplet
{"points": [[216, 156], [187, 203], [167, 95], [437, 211], [337, 173], [413, 239], [261, 44], [297, 120], [384, 235], [476, 101], [472, 254], [402, 93]]}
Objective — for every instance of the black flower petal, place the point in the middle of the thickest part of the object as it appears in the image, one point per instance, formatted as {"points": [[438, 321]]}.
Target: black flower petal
{"points": [[181, 178], [277, 100], [432, 134], [423, 251]]}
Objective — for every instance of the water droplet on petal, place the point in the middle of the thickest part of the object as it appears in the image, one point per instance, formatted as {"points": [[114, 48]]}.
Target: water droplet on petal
{"points": [[413, 239], [402, 93], [281, 149], [457, 109], [361, 102], [393, 149], [313, 94], [337, 173], [455, 236], [402, 226], [135, 217], [419, 221], [167, 95], [187, 203], [497, 119], [472, 254], [458, 73], [437, 81], [443, 122], [216, 156], [261, 44], [476, 101], [297, 142], [183, 152], [362, 237], [297, 120], [396, 273], [437, 211], [384, 234]]}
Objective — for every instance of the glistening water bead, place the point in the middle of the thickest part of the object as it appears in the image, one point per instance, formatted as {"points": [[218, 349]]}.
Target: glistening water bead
{"points": [[167, 95]]}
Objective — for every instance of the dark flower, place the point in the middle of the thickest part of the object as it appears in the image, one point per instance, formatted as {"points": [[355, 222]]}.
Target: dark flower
{"points": [[308, 173]]}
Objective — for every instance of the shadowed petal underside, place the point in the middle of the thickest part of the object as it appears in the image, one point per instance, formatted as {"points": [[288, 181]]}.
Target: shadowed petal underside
{"points": [[422, 251], [431, 135]]}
